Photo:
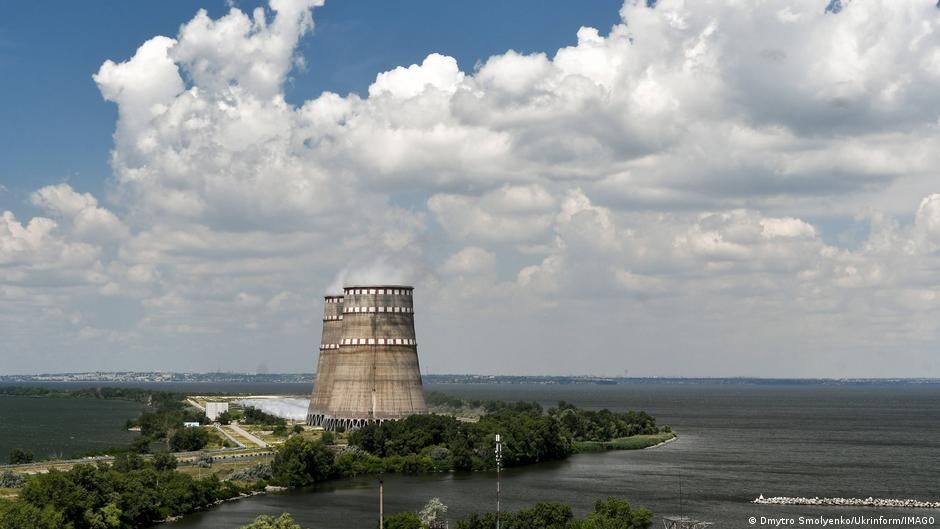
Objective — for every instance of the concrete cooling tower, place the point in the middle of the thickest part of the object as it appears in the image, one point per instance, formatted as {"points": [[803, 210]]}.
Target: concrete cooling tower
{"points": [[368, 368]]}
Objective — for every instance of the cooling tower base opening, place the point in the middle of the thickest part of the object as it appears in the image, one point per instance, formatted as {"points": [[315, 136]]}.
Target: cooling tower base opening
{"points": [[332, 424]]}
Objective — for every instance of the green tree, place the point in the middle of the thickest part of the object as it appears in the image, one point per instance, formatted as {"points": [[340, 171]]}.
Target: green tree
{"points": [[283, 521], [546, 515], [434, 512], [402, 520], [21, 515], [108, 517], [164, 461], [140, 445], [189, 439], [127, 462], [301, 462], [18, 456], [614, 513]]}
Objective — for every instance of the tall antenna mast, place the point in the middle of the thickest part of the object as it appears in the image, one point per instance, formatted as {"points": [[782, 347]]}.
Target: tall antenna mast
{"points": [[499, 461]]}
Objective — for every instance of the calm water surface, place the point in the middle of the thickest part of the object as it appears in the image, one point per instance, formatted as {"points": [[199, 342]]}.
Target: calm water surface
{"points": [[63, 427], [736, 442]]}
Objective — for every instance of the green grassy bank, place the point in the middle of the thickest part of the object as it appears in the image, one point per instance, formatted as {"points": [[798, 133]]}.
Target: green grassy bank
{"points": [[634, 442]]}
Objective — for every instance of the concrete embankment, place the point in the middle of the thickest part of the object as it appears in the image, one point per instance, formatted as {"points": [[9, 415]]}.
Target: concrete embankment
{"points": [[848, 502]]}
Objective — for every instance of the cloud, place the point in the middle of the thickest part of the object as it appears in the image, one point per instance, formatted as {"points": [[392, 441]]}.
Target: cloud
{"points": [[86, 220], [669, 193]]}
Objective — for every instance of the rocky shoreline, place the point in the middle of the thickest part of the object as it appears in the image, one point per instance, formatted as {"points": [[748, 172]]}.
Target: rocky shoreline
{"points": [[848, 502]]}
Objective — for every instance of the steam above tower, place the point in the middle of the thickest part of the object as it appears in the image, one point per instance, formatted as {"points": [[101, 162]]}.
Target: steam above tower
{"points": [[368, 367]]}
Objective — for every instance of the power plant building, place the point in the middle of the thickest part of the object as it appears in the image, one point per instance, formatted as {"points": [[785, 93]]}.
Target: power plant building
{"points": [[368, 367]]}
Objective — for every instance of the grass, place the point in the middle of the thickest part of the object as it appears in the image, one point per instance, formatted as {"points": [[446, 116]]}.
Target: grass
{"points": [[222, 469], [634, 442], [8, 494]]}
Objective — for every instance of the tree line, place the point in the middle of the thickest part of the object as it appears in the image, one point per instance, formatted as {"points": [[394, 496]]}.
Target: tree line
{"points": [[439, 443], [610, 513], [130, 493]]}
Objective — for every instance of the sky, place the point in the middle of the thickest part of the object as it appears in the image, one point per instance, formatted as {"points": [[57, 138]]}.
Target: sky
{"points": [[674, 188]]}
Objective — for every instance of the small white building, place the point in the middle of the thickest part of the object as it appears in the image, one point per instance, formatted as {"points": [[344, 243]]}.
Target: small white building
{"points": [[189, 424], [214, 409]]}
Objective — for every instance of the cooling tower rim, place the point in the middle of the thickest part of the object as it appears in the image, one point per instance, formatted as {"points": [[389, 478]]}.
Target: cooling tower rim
{"points": [[405, 287]]}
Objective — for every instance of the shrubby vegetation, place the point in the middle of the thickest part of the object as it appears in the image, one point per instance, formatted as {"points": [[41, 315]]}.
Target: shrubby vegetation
{"points": [[301, 462], [189, 439], [611, 513], [251, 415], [128, 494], [530, 435], [283, 521], [18, 456], [9, 480], [133, 492], [603, 425], [440, 443]]}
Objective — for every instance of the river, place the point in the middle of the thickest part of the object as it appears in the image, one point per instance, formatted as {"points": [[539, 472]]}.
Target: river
{"points": [[736, 442]]}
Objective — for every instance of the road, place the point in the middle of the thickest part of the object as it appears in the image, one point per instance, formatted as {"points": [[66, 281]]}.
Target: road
{"points": [[184, 458], [229, 436], [241, 431]]}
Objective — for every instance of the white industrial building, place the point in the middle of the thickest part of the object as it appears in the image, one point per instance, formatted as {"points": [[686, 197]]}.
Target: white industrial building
{"points": [[214, 409]]}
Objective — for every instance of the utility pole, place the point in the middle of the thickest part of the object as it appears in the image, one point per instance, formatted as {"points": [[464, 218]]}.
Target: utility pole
{"points": [[499, 461], [381, 503]]}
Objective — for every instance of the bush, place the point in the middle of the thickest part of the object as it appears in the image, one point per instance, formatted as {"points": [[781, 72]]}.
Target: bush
{"points": [[140, 445], [355, 462], [189, 439], [402, 520], [300, 462], [9, 480], [164, 461], [18, 456], [255, 416], [284, 521], [102, 496], [261, 471]]}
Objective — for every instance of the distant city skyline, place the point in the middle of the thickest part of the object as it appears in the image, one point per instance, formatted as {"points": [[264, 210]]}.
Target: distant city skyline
{"points": [[674, 189]]}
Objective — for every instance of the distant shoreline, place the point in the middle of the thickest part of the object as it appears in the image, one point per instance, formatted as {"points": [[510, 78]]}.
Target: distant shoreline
{"points": [[129, 377]]}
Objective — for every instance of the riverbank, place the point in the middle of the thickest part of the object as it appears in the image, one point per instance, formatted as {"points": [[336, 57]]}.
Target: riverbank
{"points": [[637, 442], [633, 442]]}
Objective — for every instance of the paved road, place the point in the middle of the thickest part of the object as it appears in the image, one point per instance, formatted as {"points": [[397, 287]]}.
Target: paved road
{"points": [[229, 436], [241, 431], [184, 458]]}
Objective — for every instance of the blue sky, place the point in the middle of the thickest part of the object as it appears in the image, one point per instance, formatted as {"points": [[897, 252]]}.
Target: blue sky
{"points": [[57, 127], [688, 188]]}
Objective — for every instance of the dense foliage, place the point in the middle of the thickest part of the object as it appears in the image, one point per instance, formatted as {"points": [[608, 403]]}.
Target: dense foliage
{"points": [[252, 415], [130, 493], [435, 443], [166, 416], [189, 439], [603, 425], [9, 480], [135, 394], [611, 513], [301, 462], [530, 435], [283, 521], [18, 456], [402, 520]]}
